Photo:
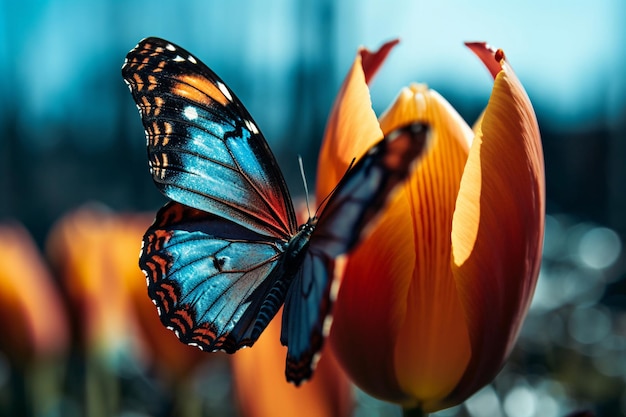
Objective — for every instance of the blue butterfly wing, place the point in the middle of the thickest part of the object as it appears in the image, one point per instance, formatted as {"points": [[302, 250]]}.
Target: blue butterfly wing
{"points": [[350, 212], [208, 277], [206, 152], [204, 149]]}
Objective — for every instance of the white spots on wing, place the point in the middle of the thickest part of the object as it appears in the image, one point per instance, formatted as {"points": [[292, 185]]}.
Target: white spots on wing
{"points": [[196, 345], [315, 360], [192, 60], [251, 127], [179, 58], [170, 47], [190, 113], [340, 263], [224, 91]]}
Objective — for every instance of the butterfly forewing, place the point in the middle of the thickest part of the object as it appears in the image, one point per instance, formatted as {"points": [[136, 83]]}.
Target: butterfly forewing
{"points": [[361, 194], [352, 209], [204, 149]]}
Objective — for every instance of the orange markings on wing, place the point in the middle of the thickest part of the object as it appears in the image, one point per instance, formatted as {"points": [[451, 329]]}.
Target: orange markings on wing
{"points": [[168, 132], [145, 105], [154, 272], [143, 63], [158, 101], [173, 215], [162, 302], [201, 91], [152, 82], [160, 131], [159, 67], [204, 335], [138, 81], [161, 237], [153, 132], [161, 265], [169, 291], [183, 319]]}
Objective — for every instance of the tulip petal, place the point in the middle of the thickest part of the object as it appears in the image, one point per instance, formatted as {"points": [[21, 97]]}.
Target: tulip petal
{"points": [[408, 297], [432, 348], [372, 61], [492, 58], [497, 229], [352, 126]]}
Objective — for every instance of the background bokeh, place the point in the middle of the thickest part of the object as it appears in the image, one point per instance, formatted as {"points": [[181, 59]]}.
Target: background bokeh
{"points": [[70, 134]]}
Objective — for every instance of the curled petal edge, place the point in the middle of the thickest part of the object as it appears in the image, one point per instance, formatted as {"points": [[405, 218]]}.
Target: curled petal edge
{"points": [[352, 126], [497, 230]]}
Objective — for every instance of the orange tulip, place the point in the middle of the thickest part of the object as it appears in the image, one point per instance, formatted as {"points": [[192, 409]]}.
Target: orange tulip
{"points": [[84, 248], [35, 329], [431, 303], [95, 253], [36, 323]]}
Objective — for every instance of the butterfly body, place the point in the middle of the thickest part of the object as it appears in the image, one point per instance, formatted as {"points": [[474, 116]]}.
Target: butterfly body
{"points": [[223, 257]]}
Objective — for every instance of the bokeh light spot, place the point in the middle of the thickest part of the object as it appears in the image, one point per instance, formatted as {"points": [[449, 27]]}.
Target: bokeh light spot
{"points": [[589, 325], [484, 403], [520, 402], [599, 248]]}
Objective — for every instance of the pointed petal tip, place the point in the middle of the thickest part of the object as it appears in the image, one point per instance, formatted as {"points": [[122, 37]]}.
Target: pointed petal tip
{"points": [[493, 58], [372, 61]]}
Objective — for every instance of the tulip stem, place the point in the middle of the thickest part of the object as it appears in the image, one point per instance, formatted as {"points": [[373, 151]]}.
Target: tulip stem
{"points": [[414, 412]]}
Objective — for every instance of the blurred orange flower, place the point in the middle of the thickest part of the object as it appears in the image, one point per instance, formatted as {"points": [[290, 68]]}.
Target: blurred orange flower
{"points": [[85, 247], [432, 302], [36, 324], [261, 389], [96, 253]]}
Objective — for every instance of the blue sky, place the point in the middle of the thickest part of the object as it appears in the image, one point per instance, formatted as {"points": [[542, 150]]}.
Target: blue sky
{"points": [[59, 60]]}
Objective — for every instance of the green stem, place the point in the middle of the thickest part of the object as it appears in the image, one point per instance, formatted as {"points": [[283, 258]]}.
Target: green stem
{"points": [[414, 412]]}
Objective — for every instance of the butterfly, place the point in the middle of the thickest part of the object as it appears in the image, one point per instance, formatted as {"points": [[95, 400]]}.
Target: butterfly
{"points": [[226, 253]]}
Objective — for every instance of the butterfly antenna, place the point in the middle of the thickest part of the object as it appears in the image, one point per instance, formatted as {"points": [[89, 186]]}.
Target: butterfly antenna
{"points": [[325, 200], [306, 188]]}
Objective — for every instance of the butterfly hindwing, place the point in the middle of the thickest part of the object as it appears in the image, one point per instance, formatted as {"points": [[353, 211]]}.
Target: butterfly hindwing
{"points": [[306, 315], [204, 149], [208, 277]]}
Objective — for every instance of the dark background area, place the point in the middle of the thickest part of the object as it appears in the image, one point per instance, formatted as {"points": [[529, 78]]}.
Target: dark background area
{"points": [[70, 132]]}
